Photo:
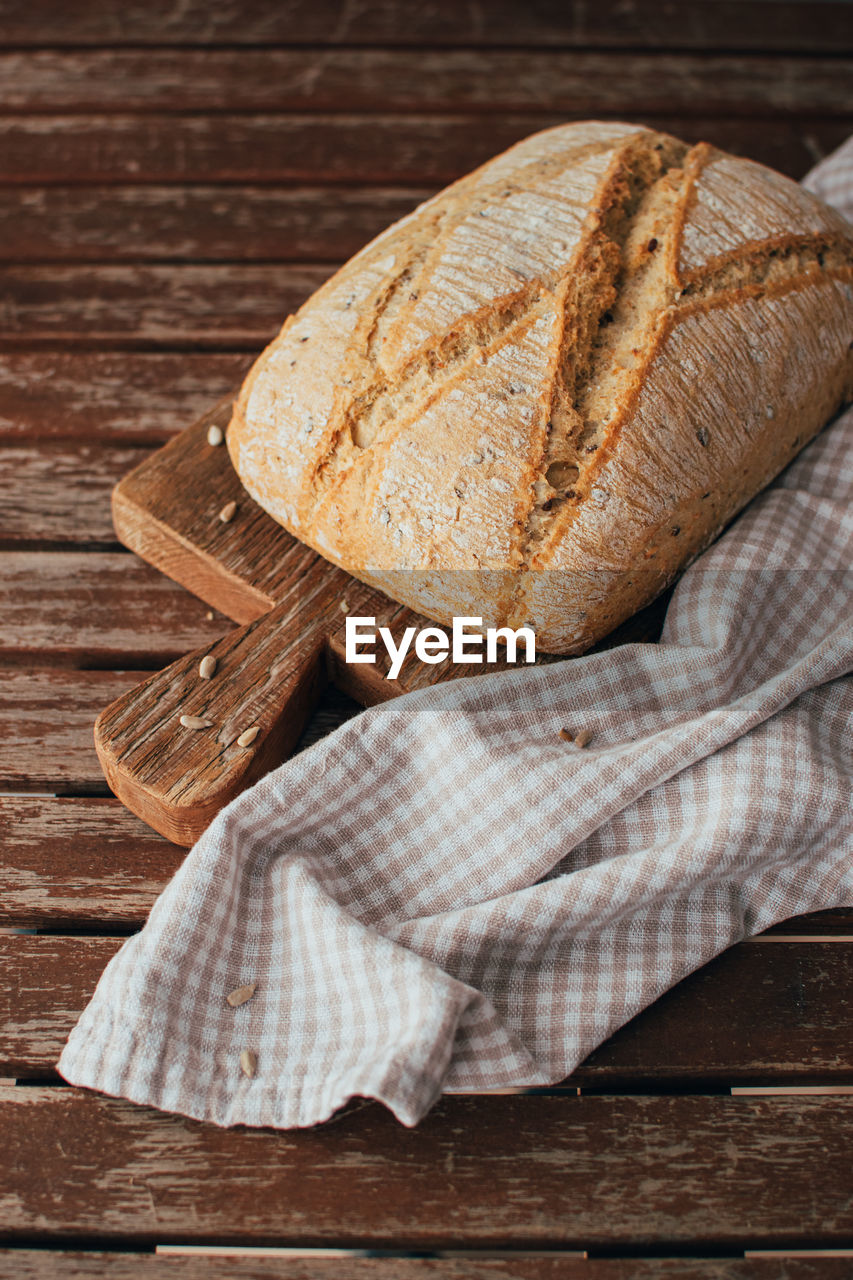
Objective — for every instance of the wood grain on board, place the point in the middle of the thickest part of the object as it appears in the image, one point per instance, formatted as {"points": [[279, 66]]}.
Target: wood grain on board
{"points": [[56, 495], [177, 748], [47, 743], [79, 863], [328, 148], [560, 1171], [192, 224], [124, 399], [435, 79], [778, 1014], [818, 25], [233, 306], [515, 1264], [97, 609]]}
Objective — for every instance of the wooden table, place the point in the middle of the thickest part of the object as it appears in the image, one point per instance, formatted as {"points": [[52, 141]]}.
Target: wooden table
{"points": [[175, 178]]}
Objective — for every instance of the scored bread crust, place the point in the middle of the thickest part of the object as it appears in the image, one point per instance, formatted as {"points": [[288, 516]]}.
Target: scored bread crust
{"points": [[543, 392]]}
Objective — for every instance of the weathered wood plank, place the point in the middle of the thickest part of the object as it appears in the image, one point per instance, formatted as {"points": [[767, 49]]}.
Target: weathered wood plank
{"points": [[571, 1172], [56, 495], [76, 862], [433, 79], [268, 678], [757, 1014], [129, 399], [727, 24], [49, 716], [240, 307], [79, 862], [47, 742], [97, 609], [381, 148], [196, 223], [253, 148], [24, 1264]]}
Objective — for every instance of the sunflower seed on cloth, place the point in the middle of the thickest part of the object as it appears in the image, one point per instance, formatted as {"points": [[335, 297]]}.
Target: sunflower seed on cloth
{"points": [[241, 994]]}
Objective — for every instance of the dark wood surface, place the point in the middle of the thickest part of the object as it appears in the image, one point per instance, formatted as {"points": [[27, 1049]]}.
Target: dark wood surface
{"points": [[555, 1171], [173, 179], [819, 25], [73, 1264]]}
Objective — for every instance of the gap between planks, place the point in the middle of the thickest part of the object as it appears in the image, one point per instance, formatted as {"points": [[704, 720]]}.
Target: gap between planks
{"points": [[747, 1091], [249, 1251]]}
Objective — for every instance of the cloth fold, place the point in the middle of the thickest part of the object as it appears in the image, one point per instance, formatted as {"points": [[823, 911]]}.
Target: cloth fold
{"points": [[445, 895]]}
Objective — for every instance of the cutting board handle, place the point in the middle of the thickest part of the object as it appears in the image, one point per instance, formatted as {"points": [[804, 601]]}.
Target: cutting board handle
{"points": [[267, 678]]}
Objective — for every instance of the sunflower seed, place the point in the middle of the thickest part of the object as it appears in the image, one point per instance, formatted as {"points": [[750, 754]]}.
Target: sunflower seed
{"points": [[195, 722], [344, 606], [207, 666], [215, 435], [565, 735], [247, 737], [240, 995], [583, 738], [227, 512], [248, 1063]]}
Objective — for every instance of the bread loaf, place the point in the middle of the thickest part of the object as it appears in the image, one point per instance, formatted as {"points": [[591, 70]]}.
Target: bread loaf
{"points": [[538, 396]]}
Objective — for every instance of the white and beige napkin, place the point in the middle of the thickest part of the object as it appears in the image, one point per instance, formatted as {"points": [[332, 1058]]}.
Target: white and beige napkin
{"points": [[446, 895]]}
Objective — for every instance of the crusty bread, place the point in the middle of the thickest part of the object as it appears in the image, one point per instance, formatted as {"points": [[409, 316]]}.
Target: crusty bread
{"points": [[541, 394]]}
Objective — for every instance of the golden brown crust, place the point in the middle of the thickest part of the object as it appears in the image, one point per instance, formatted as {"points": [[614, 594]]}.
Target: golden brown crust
{"points": [[537, 397]]}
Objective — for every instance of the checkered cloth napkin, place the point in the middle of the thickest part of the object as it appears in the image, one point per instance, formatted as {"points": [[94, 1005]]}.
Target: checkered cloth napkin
{"points": [[445, 895]]}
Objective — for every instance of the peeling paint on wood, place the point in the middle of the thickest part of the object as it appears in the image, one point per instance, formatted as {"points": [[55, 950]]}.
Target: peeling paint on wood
{"points": [[346, 148], [427, 79], [563, 1172]]}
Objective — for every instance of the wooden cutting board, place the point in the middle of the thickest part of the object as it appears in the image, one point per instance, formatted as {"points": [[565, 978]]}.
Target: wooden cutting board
{"points": [[270, 670]]}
